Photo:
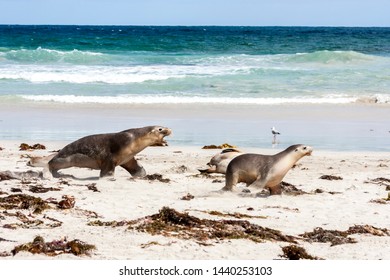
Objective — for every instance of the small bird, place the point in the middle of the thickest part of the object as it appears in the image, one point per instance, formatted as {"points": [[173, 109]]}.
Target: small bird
{"points": [[274, 131]]}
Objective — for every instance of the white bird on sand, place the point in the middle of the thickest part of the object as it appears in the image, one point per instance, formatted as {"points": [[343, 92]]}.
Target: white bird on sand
{"points": [[274, 131]]}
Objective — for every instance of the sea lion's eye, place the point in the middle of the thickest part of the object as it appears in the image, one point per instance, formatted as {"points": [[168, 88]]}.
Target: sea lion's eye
{"points": [[160, 129], [304, 148]]}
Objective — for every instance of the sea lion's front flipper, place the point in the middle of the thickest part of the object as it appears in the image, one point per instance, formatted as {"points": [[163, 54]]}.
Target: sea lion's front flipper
{"points": [[134, 168]]}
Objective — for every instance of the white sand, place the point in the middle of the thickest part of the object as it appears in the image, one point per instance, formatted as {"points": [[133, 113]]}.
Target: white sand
{"points": [[125, 199]]}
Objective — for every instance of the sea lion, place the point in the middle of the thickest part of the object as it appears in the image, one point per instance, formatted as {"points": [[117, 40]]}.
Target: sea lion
{"points": [[264, 171], [220, 161], [106, 151]]}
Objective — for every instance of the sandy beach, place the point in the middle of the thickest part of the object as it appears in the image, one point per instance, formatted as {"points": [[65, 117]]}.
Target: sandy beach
{"points": [[346, 192]]}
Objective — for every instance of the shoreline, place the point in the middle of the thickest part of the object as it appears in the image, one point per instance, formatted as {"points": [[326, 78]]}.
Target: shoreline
{"points": [[329, 127]]}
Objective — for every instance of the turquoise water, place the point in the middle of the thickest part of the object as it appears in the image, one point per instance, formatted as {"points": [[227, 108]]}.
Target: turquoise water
{"points": [[200, 67], [233, 65]]}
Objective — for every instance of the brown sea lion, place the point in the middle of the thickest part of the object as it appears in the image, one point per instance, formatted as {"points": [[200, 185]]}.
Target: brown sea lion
{"points": [[220, 161], [106, 151], [264, 171]]}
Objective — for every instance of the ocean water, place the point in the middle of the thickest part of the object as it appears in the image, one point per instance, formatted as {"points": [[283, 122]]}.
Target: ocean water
{"points": [[150, 65]]}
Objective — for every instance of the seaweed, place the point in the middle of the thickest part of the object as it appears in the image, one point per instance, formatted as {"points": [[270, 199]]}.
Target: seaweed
{"points": [[23, 201], [40, 189], [157, 177], [222, 146], [336, 237], [99, 223], [380, 181], [188, 196], [169, 222], [367, 229], [293, 252], [92, 187], [6, 175], [331, 177], [290, 189], [67, 202], [321, 235], [234, 215], [26, 147], [55, 247]]}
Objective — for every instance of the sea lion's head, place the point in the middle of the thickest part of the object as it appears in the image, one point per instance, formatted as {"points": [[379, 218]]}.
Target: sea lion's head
{"points": [[157, 134], [302, 150]]}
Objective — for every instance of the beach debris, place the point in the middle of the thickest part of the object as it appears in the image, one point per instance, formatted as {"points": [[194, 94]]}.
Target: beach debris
{"points": [[222, 146], [181, 169], [41, 189], [92, 187], [217, 181], [14, 190], [234, 215], [188, 196], [367, 229], [6, 175], [157, 177], [55, 247], [290, 189], [381, 181], [67, 202], [5, 254], [22, 201], [296, 210], [293, 252], [169, 222], [322, 191], [380, 200], [27, 147], [5, 240], [99, 223], [149, 244], [331, 177], [336, 237], [1, 148]]}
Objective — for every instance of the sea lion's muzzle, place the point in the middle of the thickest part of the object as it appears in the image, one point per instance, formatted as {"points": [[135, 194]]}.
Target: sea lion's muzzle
{"points": [[165, 132]]}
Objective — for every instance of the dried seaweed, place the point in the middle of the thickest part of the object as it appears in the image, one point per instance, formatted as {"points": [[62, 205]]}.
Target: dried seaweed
{"points": [[234, 215], [99, 223], [367, 229], [380, 181], [169, 222], [157, 177], [23, 201], [188, 196], [222, 146], [290, 189], [26, 147], [293, 252], [336, 237], [54, 248], [331, 177], [67, 202], [92, 187], [40, 189]]}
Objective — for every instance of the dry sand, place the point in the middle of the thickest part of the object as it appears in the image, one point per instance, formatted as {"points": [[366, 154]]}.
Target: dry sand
{"points": [[330, 204]]}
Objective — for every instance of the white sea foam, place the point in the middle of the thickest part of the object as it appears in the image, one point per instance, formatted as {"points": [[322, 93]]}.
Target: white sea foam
{"points": [[187, 100]]}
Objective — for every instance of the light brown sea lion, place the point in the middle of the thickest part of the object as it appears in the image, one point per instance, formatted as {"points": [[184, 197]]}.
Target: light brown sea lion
{"points": [[264, 171], [106, 151], [220, 161]]}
